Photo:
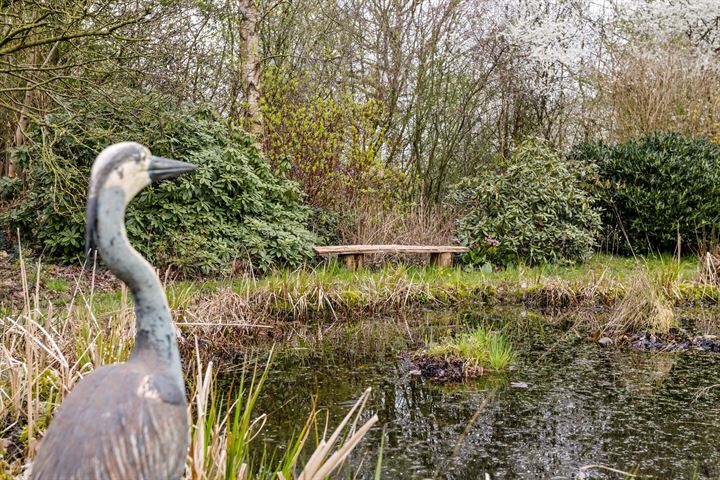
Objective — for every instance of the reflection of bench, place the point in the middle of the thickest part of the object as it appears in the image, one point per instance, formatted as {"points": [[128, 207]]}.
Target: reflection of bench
{"points": [[353, 256]]}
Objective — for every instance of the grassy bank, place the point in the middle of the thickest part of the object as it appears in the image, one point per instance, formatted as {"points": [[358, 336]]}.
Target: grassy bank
{"points": [[334, 293], [223, 312], [333, 290]]}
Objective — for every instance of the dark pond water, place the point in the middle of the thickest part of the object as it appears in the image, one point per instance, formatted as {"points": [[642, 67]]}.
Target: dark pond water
{"points": [[657, 415]]}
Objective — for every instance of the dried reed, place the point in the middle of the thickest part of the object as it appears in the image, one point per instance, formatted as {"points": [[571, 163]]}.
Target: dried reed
{"points": [[644, 308]]}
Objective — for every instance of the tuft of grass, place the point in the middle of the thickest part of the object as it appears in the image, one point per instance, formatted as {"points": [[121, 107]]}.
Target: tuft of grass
{"points": [[644, 308], [500, 352], [58, 285], [480, 350]]}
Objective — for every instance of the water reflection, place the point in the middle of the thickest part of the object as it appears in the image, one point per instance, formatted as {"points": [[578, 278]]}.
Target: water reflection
{"points": [[584, 405]]}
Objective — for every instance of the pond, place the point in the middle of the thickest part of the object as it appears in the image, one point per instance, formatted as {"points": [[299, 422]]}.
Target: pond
{"points": [[568, 409]]}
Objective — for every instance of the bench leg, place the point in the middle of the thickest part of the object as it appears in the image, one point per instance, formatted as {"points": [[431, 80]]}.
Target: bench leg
{"points": [[352, 261], [444, 259], [348, 260]]}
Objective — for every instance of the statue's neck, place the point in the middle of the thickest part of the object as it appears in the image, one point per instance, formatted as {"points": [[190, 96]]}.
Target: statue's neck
{"points": [[155, 335]]}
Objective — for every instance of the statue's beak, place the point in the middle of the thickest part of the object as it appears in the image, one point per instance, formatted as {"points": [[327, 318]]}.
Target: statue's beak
{"points": [[163, 168]]}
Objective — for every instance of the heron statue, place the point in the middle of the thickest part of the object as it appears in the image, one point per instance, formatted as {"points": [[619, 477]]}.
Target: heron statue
{"points": [[127, 420]]}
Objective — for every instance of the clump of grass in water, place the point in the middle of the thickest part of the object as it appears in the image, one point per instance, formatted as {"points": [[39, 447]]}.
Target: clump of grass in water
{"points": [[467, 355], [644, 308]]}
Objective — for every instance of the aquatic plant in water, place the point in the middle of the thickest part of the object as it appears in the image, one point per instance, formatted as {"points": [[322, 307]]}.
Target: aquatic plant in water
{"points": [[466, 355]]}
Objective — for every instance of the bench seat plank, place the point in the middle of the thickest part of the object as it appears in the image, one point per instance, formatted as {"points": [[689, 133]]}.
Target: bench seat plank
{"points": [[362, 249]]}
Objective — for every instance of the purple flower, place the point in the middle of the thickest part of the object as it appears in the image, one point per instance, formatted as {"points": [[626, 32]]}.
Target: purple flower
{"points": [[492, 242], [456, 241]]}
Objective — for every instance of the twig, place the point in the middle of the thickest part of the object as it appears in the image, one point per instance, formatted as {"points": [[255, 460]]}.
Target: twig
{"points": [[582, 470]]}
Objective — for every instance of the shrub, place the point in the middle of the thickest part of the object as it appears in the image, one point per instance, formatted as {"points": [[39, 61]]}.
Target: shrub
{"points": [[330, 141], [232, 207], [656, 187], [532, 208]]}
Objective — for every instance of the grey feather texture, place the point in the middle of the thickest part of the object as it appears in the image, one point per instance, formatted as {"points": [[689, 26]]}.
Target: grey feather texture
{"points": [[123, 421]]}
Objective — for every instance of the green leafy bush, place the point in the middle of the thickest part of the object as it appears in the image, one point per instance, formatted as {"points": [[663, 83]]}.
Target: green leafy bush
{"points": [[655, 188], [533, 208], [233, 207], [330, 141]]}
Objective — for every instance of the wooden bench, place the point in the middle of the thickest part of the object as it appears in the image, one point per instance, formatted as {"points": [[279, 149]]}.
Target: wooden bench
{"points": [[353, 256]]}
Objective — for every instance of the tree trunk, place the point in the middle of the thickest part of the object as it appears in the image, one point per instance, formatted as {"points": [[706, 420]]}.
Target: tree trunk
{"points": [[250, 64], [19, 137]]}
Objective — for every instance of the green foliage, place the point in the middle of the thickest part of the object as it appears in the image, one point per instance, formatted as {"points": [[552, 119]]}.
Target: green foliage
{"points": [[655, 188], [233, 207], [328, 141], [325, 225], [533, 208]]}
